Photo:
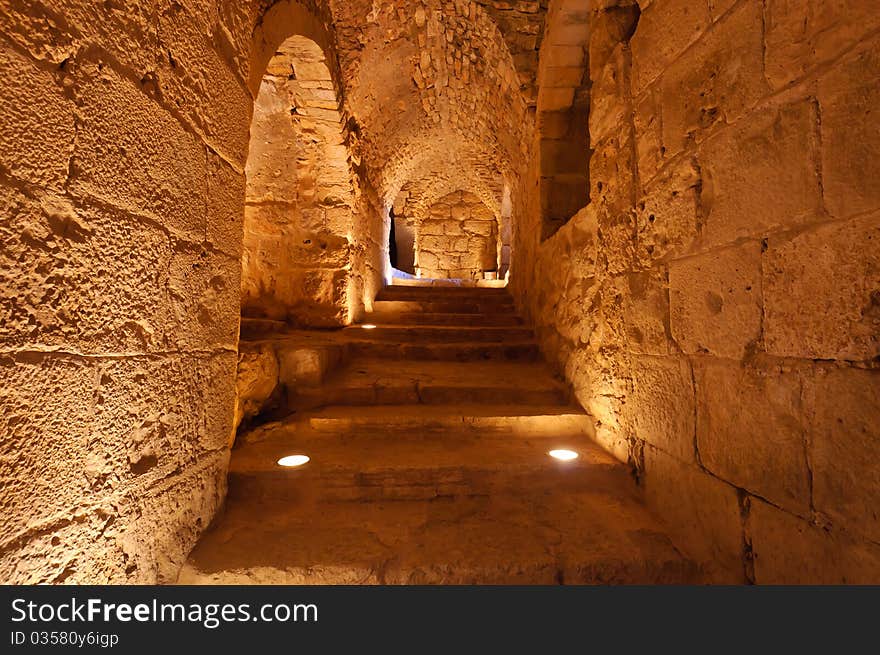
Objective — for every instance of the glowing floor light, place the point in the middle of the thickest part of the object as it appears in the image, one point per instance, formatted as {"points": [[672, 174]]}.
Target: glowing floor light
{"points": [[368, 326], [563, 455], [293, 460]]}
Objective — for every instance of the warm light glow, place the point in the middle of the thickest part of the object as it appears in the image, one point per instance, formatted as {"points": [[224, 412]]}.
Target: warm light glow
{"points": [[293, 460], [563, 455], [368, 326]]}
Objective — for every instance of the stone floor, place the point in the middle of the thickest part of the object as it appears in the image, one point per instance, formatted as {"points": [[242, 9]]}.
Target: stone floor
{"points": [[429, 465]]}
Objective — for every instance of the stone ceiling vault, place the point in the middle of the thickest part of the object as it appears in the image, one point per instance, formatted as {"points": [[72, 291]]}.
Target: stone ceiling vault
{"points": [[440, 90]]}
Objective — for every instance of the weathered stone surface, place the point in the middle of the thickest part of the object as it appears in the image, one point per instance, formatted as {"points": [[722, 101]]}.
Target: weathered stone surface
{"points": [[665, 30], [647, 121], [130, 152], [298, 220], [646, 313], [715, 301], [256, 379], [38, 121], [789, 550], [850, 141], [668, 215], [749, 132], [457, 237], [844, 437], [122, 178], [701, 508], [821, 292], [750, 431], [663, 405], [46, 421], [195, 77], [715, 81], [64, 285], [801, 34], [760, 175], [226, 195]]}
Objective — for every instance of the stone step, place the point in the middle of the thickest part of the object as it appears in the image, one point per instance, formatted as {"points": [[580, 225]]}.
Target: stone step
{"points": [[580, 539], [463, 507], [439, 334], [526, 351], [532, 421], [390, 317], [396, 382], [447, 282], [488, 297], [378, 465], [451, 306], [255, 328]]}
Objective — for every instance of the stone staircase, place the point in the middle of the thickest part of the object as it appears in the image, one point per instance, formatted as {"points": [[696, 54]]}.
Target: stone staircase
{"points": [[429, 465]]}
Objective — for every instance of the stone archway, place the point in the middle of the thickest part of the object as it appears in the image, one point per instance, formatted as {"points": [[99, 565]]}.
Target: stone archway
{"points": [[299, 202]]}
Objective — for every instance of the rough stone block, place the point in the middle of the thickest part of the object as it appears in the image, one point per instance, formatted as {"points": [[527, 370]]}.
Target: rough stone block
{"points": [[844, 412], [760, 175], [164, 524], [156, 416], [848, 97], [662, 405], [790, 550], [649, 138], [256, 379], [195, 77], [47, 426], [668, 215], [204, 294], [83, 277], [57, 30], [715, 81], [702, 509], [822, 292], [132, 153], [715, 301], [646, 313], [665, 30], [750, 430], [226, 189]]}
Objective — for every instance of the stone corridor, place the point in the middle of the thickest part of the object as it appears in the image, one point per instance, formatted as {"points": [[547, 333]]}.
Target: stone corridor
{"points": [[424, 243], [429, 465]]}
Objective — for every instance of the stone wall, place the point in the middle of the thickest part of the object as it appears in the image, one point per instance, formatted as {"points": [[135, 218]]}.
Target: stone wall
{"points": [[299, 209], [716, 304], [457, 238], [121, 175], [122, 178]]}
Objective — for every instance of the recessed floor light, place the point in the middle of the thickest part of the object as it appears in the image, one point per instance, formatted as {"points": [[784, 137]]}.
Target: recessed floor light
{"points": [[368, 326], [293, 460], [563, 455]]}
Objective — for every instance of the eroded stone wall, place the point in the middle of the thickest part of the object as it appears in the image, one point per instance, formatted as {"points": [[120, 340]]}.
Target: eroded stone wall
{"points": [[457, 238], [121, 175], [716, 304]]}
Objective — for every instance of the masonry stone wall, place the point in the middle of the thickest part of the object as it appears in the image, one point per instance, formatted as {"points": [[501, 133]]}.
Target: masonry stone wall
{"points": [[299, 202], [457, 238], [715, 306], [122, 184], [122, 178]]}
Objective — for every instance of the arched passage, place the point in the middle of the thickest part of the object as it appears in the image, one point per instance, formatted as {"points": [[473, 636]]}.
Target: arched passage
{"points": [[299, 198]]}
